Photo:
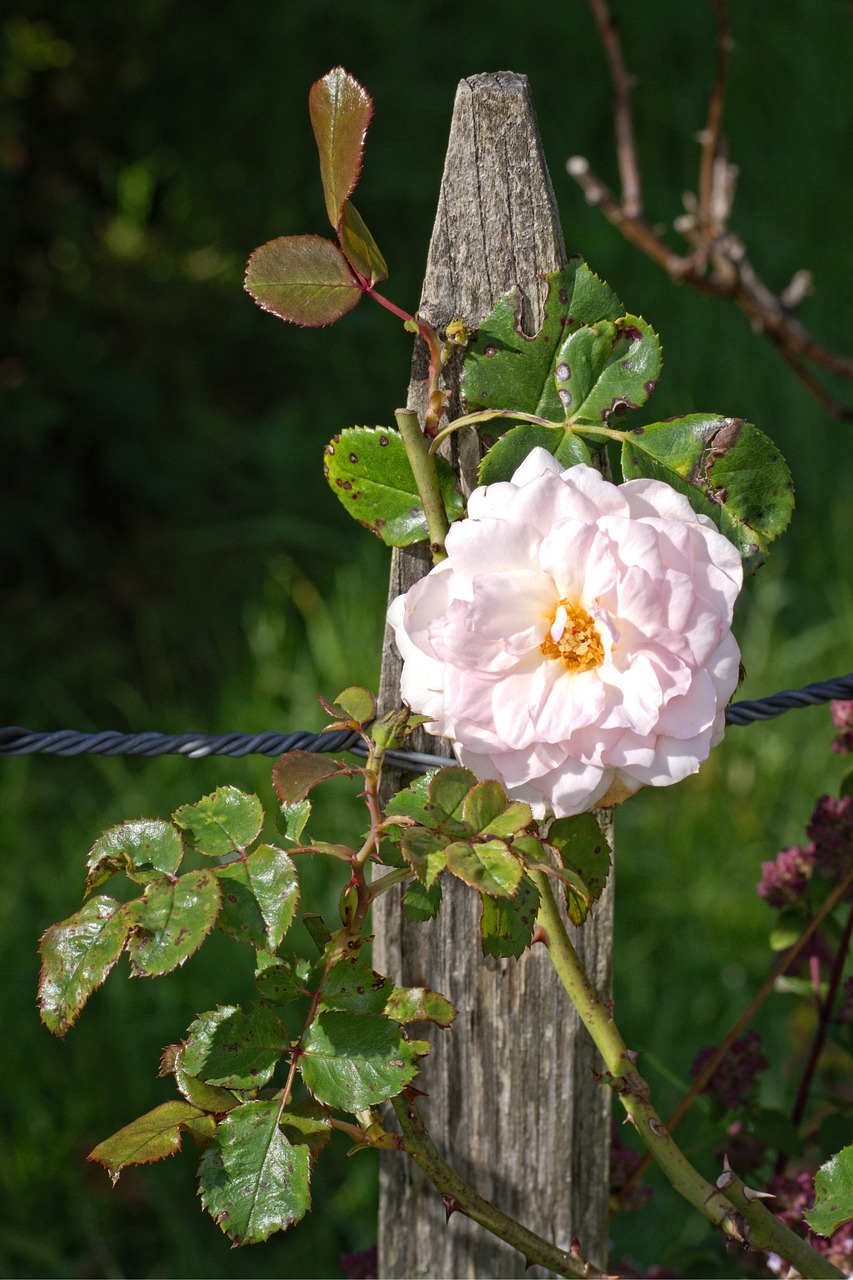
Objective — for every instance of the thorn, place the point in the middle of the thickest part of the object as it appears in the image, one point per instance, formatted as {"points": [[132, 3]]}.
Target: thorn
{"points": [[539, 935], [632, 1055], [528, 1263], [750, 1194], [411, 1092], [575, 1247], [451, 1206]]}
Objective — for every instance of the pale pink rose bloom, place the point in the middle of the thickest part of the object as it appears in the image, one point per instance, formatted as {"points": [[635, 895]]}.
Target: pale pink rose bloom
{"points": [[576, 643]]}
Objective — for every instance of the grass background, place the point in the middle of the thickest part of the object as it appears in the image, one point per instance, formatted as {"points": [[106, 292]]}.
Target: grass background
{"points": [[173, 560]]}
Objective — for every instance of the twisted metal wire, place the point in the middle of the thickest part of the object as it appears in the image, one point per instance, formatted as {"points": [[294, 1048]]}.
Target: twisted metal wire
{"points": [[15, 741]]}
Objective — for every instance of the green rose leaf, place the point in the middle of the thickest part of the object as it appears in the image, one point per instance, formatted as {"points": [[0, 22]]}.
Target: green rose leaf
{"points": [[234, 1049], [419, 1004], [140, 849], [305, 280], [367, 468], [351, 986], [488, 810], [280, 979], [241, 915], [252, 1181], [420, 903], [583, 850], [507, 924], [447, 792], [292, 819], [307, 1124], [603, 371], [412, 802], [424, 850], [355, 705], [361, 250], [489, 867], [352, 1061], [833, 1204], [77, 955], [340, 110], [170, 921], [728, 470], [227, 821], [507, 454], [201, 1094], [260, 894], [152, 1137], [506, 368], [297, 772]]}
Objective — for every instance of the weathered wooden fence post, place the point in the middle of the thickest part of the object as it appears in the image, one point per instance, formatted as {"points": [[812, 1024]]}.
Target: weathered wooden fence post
{"points": [[512, 1100]]}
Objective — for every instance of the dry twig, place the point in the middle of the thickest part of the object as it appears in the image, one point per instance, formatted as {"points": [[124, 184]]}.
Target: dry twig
{"points": [[717, 262]]}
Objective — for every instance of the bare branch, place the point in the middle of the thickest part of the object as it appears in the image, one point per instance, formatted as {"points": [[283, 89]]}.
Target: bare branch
{"points": [[717, 263]]}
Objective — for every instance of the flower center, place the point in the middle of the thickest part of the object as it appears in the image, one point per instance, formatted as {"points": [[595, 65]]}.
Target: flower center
{"points": [[573, 639]]}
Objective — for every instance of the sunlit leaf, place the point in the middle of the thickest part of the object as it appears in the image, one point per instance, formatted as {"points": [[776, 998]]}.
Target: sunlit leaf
{"points": [[488, 810], [361, 250], [235, 1049], [419, 1004], [136, 848], [303, 279], [508, 369], [170, 921], [205, 1096], [152, 1137], [353, 1061], [292, 819], [340, 110], [507, 924], [354, 704], [727, 469], [252, 1181], [424, 850], [225, 822], [833, 1204], [353, 987], [488, 867], [368, 470], [507, 454], [448, 791], [603, 370], [77, 955], [263, 887]]}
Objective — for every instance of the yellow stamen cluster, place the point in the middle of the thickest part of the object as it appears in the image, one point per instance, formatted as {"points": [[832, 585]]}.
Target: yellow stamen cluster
{"points": [[572, 637]]}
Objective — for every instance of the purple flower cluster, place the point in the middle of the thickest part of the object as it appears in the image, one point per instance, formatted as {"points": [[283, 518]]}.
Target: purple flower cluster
{"points": [[785, 879], [831, 833], [842, 718], [733, 1080], [623, 1163], [793, 1196]]}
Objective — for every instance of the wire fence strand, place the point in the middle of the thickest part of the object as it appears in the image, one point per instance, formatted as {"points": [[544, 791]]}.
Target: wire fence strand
{"points": [[16, 741]]}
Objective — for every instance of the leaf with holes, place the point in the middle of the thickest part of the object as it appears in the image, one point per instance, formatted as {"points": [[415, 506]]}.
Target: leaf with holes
{"points": [[354, 1061], [507, 924], [833, 1204], [583, 850], [424, 850], [368, 470], [252, 1181], [507, 454], [351, 986], [340, 110], [419, 1004], [77, 955], [361, 250], [489, 867], [170, 921], [505, 368], [296, 773], [227, 821], [727, 469], [141, 850], [152, 1137], [602, 371], [234, 1049], [305, 280]]}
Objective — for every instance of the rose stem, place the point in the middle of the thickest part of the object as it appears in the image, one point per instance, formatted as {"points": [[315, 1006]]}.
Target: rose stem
{"points": [[634, 1094], [426, 478]]}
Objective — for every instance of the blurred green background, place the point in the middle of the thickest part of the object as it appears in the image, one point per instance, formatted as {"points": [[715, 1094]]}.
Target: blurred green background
{"points": [[172, 559]]}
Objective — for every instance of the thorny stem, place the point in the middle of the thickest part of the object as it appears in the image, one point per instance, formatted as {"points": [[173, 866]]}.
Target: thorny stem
{"points": [[459, 1196], [426, 477], [734, 1220]]}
